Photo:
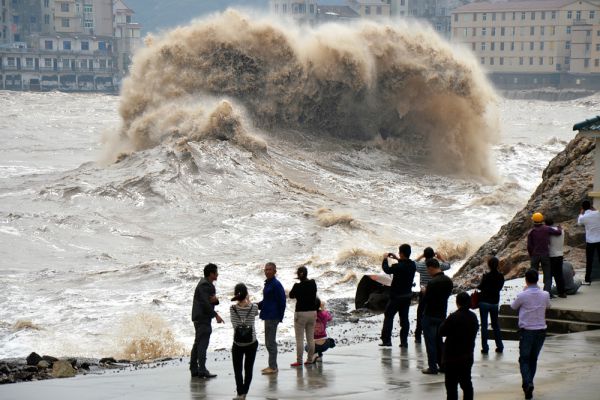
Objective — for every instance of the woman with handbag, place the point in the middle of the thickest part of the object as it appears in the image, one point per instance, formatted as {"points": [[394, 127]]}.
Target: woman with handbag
{"points": [[243, 351], [489, 298]]}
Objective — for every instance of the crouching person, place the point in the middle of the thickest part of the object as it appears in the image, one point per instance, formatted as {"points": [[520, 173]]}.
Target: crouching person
{"points": [[322, 341], [460, 330]]}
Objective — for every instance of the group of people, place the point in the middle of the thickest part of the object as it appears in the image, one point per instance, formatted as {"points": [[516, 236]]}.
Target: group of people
{"points": [[454, 357], [310, 324]]}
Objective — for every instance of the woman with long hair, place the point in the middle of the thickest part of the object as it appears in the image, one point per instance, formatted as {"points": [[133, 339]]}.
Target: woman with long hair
{"points": [[305, 293], [243, 351]]}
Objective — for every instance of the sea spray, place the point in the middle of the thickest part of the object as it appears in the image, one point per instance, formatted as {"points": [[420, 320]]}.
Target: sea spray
{"points": [[364, 81]]}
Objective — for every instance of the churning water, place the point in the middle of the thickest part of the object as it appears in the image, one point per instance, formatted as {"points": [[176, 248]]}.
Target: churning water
{"points": [[240, 142]]}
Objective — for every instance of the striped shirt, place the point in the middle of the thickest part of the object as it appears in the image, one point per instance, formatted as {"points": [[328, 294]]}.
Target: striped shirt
{"points": [[244, 314], [424, 275]]}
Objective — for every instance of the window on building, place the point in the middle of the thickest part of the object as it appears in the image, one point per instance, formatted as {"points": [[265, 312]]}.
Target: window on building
{"points": [[541, 45], [484, 16], [493, 16], [592, 14], [283, 9], [541, 62], [597, 62], [378, 10], [11, 61], [567, 45], [597, 33], [532, 30], [47, 62], [543, 15], [46, 3], [32, 19], [483, 31], [568, 30], [16, 19], [46, 19], [501, 60], [474, 16], [531, 45], [474, 32], [514, 30], [503, 16], [587, 46], [473, 46], [553, 16], [530, 60], [482, 46], [597, 46], [64, 22], [551, 60], [312, 11], [523, 15], [102, 64], [493, 46], [48, 44], [567, 60], [88, 8], [502, 31], [578, 15], [588, 33], [491, 60], [83, 64], [64, 7], [501, 46], [569, 14], [29, 62], [520, 60], [88, 23], [465, 32], [455, 17], [493, 31], [542, 30], [553, 30], [66, 45], [85, 45], [367, 10], [514, 16], [512, 46], [101, 45], [533, 15]]}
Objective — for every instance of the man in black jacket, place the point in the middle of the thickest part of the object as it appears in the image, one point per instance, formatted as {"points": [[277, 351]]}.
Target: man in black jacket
{"points": [[460, 330], [436, 304], [400, 294], [203, 311]]}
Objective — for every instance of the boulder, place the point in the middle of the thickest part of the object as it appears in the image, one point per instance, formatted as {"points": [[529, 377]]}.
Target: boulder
{"points": [[566, 181], [43, 364], [63, 369], [51, 360], [33, 359]]}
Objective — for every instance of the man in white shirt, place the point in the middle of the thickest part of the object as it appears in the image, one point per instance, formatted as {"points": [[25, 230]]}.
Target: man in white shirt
{"points": [[590, 218]]}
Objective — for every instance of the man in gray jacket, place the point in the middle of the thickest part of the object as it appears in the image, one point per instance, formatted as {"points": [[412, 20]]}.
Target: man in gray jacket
{"points": [[203, 311]]}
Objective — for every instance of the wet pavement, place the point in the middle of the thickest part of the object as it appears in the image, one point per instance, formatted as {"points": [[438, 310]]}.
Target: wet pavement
{"points": [[569, 368]]}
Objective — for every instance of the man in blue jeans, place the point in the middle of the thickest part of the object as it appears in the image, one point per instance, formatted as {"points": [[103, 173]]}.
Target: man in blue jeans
{"points": [[531, 304], [434, 313], [272, 309]]}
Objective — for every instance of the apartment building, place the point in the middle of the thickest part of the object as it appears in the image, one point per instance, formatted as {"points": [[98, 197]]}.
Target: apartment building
{"points": [[399, 8], [303, 11], [532, 36], [66, 44], [372, 8]]}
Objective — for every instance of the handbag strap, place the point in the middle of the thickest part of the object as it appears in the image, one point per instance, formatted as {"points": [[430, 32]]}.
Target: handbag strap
{"points": [[247, 314]]}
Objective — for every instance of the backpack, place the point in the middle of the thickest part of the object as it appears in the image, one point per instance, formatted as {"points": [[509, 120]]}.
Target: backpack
{"points": [[243, 332]]}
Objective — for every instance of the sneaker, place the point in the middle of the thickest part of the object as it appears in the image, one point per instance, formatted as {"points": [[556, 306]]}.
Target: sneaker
{"points": [[385, 344], [498, 350], [587, 283], [269, 371], [484, 351], [296, 364], [207, 375], [315, 357], [429, 371], [309, 362]]}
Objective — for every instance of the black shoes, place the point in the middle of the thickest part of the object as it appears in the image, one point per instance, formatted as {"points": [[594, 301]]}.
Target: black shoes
{"points": [[499, 350], [562, 296], [207, 375], [405, 345], [429, 371], [528, 392], [483, 351], [385, 344]]}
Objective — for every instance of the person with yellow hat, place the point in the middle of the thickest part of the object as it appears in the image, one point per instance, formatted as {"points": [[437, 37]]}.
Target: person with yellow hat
{"points": [[538, 247]]}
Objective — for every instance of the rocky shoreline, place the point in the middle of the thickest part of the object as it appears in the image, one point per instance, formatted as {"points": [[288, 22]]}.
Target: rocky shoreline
{"points": [[37, 368], [566, 181]]}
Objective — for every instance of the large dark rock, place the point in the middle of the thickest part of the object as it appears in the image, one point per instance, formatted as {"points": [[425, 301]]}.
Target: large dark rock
{"points": [[566, 181], [33, 359]]}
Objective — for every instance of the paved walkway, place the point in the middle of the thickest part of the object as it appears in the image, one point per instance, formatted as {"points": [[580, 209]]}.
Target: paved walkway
{"points": [[569, 368]]}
